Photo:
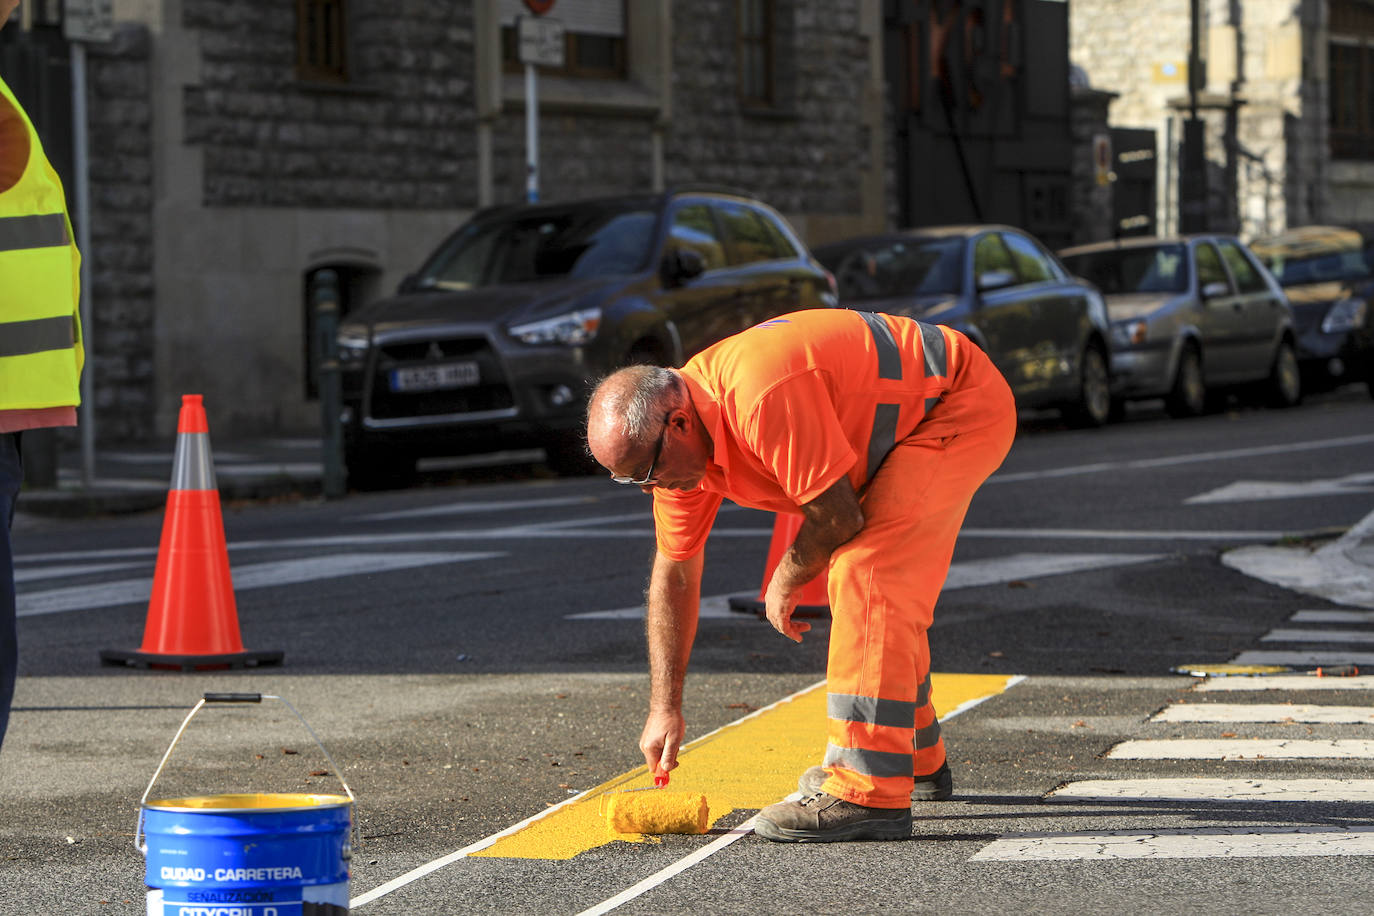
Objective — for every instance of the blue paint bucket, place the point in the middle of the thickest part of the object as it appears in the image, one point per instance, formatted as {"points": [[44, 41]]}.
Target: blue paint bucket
{"points": [[251, 854]]}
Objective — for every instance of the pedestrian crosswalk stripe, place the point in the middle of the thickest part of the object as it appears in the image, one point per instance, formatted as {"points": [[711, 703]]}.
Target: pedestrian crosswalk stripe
{"points": [[1294, 634], [1303, 658], [253, 575], [1285, 682], [1218, 790], [1270, 712], [1206, 842], [1332, 617], [1242, 749]]}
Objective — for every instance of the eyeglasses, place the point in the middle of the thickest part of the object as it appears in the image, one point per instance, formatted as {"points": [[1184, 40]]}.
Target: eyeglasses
{"points": [[649, 477]]}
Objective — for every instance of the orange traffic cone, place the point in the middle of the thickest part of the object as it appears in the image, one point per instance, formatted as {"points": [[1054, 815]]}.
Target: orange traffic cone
{"points": [[815, 601], [193, 621]]}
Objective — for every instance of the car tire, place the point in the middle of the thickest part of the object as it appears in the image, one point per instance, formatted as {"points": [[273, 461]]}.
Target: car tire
{"points": [[1188, 395], [1284, 386], [377, 468], [1094, 405], [567, 456]]}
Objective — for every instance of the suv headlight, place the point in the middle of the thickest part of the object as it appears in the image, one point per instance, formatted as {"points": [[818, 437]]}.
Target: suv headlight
{"points": [[571, 329], [352, 348], [1130, 333], [1346, 315]]}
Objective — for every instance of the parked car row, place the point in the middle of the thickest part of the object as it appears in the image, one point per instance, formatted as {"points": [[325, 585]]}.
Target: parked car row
{"points": [[494, 342]]}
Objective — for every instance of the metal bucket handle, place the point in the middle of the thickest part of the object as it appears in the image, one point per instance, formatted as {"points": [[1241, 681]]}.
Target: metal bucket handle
{"points": [[234, 698]]}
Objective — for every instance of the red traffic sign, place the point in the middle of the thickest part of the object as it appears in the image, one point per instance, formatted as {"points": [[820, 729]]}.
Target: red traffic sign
{"points": [[539, 7]]}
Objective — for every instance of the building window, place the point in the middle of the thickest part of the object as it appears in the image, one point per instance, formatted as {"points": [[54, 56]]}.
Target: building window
{"points": [[321, 41], [1351, 62], [594, 37], [754, 42]]}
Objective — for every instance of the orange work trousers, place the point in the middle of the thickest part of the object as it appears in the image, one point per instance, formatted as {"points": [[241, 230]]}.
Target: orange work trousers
{"points": [[883, 584]]}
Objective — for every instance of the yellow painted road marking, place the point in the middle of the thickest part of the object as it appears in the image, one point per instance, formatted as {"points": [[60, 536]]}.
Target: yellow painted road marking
{"points": [[749, 764]]}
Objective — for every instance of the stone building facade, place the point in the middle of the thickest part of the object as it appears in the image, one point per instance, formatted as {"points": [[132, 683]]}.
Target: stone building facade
{"points": [[224, 173], [1269, 87]]}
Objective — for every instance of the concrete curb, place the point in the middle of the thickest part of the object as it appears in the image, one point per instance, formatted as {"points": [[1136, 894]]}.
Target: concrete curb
{"points": [[1341, 571]]}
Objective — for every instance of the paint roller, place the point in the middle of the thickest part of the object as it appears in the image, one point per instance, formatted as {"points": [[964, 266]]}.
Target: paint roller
{"points": [[656, 810]]}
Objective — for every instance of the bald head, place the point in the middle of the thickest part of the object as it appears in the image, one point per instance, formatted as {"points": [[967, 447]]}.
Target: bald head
{"points": [[626, 410]]}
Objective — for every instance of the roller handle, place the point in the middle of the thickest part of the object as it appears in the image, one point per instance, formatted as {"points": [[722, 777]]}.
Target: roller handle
{"points": [[1338, 671], [233, 698]]}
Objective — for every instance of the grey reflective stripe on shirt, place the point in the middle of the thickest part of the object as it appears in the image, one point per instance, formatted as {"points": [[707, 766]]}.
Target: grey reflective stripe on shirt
{"points": [[889, 357], [192, 468], [881, 764], [923, 693], [37, 335], [870, 710], [884, 435], [933, 345], [45, 230]]}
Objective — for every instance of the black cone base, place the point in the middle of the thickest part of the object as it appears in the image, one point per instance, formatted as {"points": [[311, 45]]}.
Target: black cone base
{"points": [[134, 659]]}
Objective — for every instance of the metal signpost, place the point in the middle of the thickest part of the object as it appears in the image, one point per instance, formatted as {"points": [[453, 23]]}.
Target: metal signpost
{"points": [[85, 21], [541, 45]]}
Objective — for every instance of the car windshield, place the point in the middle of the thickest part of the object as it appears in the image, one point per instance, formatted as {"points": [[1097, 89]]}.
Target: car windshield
{"points": [[582, 241], [1145, 269], [1318, 267], [908, 267]]}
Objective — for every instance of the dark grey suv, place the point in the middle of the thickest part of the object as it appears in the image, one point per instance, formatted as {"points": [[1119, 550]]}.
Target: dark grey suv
{"points": [[495, 341]]}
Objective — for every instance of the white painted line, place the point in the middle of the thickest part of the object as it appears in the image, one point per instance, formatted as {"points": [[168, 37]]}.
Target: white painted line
{"points": [[969, 574], [657, 878], [1218, 790], [1265, 712], [1122, 534], [1332, 617], [464, 508], [1202, 843], [1293, 634], [1185, 458], [38, 573], [1242, 749], [1285, 682], [257, 575], [1256, 490], [1303, 659]]}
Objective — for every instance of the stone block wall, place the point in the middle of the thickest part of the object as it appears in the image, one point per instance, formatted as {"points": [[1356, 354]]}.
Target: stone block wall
{"points": [[121, 252]]}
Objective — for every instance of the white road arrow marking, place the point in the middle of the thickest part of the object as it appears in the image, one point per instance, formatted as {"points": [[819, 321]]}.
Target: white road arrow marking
{"points": [[1255, 490]]}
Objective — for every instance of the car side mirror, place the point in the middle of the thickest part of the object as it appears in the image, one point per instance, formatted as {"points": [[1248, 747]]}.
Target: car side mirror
{"points": [[995, 279], [1215, 290], [680, 265], [408, 284]]}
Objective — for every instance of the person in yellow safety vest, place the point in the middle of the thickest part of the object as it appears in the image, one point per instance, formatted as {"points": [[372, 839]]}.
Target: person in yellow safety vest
{"points": [[40, 329]]}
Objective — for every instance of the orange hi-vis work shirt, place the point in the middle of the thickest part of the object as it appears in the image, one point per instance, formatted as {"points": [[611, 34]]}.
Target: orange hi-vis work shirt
{"points": [[797, 402]]}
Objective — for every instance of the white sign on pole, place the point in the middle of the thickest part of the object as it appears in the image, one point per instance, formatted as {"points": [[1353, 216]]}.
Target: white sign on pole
{"points": [[88, 20], [541, 41]]}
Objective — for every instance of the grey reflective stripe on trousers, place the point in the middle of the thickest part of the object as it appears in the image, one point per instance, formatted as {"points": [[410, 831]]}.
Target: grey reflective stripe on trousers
{"points": [[37, 335], [870, 710], [45, 230], [192, 468], [884, 435], [879, 764]]}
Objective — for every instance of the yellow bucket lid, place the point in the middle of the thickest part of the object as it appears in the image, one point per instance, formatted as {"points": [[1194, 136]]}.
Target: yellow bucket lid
{"points": [[249, 801]]}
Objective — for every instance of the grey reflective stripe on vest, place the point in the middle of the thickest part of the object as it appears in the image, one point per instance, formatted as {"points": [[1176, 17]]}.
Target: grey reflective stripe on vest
{"points": [[37, 335], [927, 737], [933, 345], [884, 435], [870, 710], [889, 357], [46, 230], [881, 764], [192, 468], [923, 693]]}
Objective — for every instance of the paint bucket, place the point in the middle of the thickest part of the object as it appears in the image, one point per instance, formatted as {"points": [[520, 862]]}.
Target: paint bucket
{"points": [[252, 854]]}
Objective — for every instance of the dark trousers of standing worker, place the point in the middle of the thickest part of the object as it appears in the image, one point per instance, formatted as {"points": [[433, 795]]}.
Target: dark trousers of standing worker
{"points": [[11, 476]]}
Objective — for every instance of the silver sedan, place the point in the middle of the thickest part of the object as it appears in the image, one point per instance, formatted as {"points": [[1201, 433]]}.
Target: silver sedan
{"points": [[1190, 318]]}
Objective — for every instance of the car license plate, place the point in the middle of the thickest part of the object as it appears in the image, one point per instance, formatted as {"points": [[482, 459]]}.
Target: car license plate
{"points": [[435, 378]]}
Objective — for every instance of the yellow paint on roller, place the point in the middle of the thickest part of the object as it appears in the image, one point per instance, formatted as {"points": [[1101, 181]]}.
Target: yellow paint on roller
{"points": [[657, 811], [748, 764]]}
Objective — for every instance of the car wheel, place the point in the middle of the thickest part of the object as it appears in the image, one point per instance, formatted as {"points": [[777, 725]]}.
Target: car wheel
{"points": [[1188, 396], [378, 468], [1094, 404], [567, 456], [1285, 379]]}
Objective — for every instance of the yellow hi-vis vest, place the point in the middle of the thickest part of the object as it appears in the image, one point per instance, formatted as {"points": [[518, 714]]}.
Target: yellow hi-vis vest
{"points": [[40, 286]]}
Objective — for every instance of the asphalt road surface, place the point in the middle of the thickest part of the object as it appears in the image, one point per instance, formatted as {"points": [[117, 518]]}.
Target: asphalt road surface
{"points": [[471, 655]]}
